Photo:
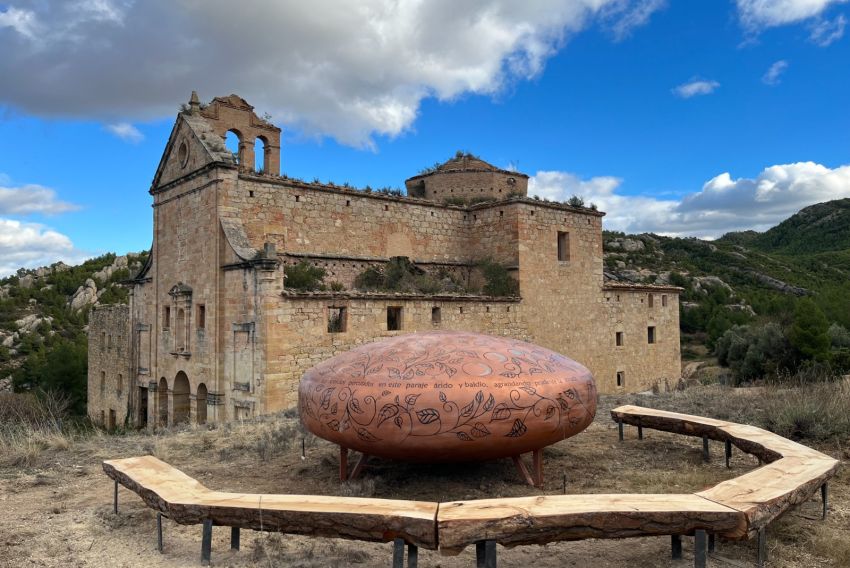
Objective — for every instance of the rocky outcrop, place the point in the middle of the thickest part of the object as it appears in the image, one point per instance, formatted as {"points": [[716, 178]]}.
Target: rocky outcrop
{"points": [[777, 284], [105, 273], [625, 244], [705, 283], [85, 295], [30, 323]]}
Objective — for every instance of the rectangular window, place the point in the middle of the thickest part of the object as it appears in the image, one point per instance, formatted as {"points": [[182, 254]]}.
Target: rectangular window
{"points": [[563, 246], [202, 316], [664, 300], [651, 300], [650, 334], [166, 317], [337, 319], [619, 339], [621, 379], [436, 315], [393, 318]]}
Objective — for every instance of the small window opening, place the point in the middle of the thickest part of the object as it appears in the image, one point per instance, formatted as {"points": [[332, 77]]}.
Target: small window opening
{"points": [[109, 342], [621, 378], [436, 315], [461, 309], [618, 297], [251, 193], [393, 318], [102, 340], [488, 309], [563, 246], [532, 213], [501, 213], [651, 300], [650, 334], [619, 338], [475, 217], [432, 213], [297, 198], [348, 203], [386, 207], [202, 316], [337, 319], [166, 317], [664, 300], [102, 381], [509, 309], [120, 386]]}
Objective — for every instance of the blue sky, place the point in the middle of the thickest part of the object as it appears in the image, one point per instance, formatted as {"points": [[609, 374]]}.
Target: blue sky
{"points": [[678, 117]]}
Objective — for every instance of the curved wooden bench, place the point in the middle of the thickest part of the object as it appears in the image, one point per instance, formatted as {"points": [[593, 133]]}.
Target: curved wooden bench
{"points": [[793, 473], [185, 501], [734, 509]]}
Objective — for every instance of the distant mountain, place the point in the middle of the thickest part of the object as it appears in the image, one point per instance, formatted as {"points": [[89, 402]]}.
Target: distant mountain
{"points": [[823, 227]]}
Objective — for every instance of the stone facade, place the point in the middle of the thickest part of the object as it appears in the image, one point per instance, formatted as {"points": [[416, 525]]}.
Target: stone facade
{"points": [[109, 379], [212, 333]]}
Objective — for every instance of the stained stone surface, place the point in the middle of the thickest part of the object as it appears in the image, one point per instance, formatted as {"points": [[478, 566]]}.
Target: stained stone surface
{"points": [[447, 396]]}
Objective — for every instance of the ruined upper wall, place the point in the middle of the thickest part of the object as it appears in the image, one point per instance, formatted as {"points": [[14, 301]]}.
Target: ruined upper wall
{"points": [[467, 177]]}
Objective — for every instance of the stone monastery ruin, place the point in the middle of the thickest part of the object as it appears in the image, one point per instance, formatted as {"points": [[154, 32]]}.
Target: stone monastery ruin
{"points": [[213, 333]]}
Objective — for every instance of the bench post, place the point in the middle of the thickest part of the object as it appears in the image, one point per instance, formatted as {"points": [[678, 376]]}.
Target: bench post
{"points": [[234, 538], [159, 532], [705, 454], [676, 546], [412, 556], [640, 431], [206, 542], [824, 495], [115, 499], [700, 557], [712, 543], [485, 554], [728, 452], [762, 548], [620, 429], [398, 553], [343, 463]]}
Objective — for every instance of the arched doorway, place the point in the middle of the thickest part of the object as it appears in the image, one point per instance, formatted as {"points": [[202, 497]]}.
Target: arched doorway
{"points": [[180, 397], [201, 404], [162, 401]]}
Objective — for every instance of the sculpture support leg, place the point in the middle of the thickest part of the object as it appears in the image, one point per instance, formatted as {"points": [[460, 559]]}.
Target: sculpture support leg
{"points": [[159, 532], [728, 452], [359, 466], [343, 463], [824, 495], [523, 470], [762, 544], [537, 461], [700, 558], [705, 454]]}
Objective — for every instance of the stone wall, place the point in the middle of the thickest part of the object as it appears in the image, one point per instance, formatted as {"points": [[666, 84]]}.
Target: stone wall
{"points": [[299, 337], [109, 379], [468, 184]]}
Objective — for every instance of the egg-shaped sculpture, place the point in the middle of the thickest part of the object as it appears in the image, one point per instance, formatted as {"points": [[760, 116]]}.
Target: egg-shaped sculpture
{"points": [[447, 396]]}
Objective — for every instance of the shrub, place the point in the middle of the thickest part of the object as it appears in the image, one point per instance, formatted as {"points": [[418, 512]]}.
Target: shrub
{"points": [[304, 276], [839, 337], [817, 412], [498, 281], [809, 333], [575, 201], [754, 352]]}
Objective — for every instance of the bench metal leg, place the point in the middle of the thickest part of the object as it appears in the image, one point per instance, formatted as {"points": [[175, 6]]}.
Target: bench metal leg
{"points": [[712, 543], [398, 553], [159, 532], [640, 432], [115, 500], [412, 556], [728, 452], [762, 545], [485, 554], [824, 495], [700, 557], [705, 454], [620, 430], [234, 538], [206, 543], [676, 546]]}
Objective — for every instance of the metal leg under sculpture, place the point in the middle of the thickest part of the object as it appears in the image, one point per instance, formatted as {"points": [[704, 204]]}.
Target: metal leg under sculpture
{"points": [[762, 547], [485, 554], [676, 546], [234, 538], [159, 532]]}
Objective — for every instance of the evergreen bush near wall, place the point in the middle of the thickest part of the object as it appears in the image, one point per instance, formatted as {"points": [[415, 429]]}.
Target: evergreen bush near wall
{"points": [[304, 276]]}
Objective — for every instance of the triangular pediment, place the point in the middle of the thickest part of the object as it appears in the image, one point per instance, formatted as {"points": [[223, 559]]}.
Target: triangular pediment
{"points": [[192, 145]]}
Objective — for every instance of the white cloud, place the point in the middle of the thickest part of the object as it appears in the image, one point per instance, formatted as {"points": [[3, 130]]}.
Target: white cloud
{"points": [[126, 131], [626, 16], [31, 245], [756, 15], [723, 204], [695, 87], [825, 32], [29, 199], [346, 69], [773, 75]]}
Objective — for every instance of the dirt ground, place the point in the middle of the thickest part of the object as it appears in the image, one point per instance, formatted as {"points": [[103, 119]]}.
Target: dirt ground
{"points": [[57, 511]]}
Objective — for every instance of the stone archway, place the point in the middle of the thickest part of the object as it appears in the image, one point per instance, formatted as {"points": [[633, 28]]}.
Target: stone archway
{"points": [[162, 402], [180, 397], [201, 404]]}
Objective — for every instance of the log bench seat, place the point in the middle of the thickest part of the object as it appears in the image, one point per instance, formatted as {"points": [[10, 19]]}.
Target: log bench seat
{"points": [[736, 509]]}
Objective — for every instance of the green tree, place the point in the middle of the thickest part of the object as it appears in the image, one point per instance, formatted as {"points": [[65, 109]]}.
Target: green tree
{"points": [[809, 333]]}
